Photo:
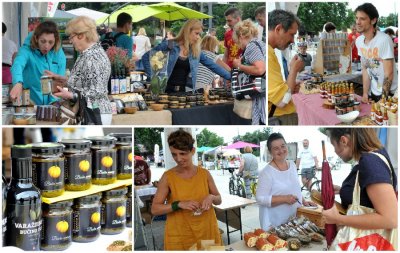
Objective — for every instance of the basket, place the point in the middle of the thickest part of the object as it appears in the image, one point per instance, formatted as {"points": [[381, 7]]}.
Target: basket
{"points": [[314, 215]]}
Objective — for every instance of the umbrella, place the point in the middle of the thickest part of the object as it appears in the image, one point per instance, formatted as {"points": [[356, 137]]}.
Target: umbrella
{"points": [[231, 152], [241, 144], [172, 11], [137, 12], [203, 148], [328, 195]]}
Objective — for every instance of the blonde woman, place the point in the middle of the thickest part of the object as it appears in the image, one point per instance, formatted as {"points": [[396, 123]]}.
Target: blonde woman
{"points": [[143, 45], [91, 71], [252, 62], [184, 58], [204, 75]]}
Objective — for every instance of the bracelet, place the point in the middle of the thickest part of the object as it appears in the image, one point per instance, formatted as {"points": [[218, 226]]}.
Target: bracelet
{"points": [[175, 206]]}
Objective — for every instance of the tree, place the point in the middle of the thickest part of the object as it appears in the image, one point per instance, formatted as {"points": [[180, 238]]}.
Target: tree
{"points": [[254, 137], [148, 137], [390, 20], [209, 139]]}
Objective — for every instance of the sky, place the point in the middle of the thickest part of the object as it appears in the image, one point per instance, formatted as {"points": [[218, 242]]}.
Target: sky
{"points": [[384, 7]]}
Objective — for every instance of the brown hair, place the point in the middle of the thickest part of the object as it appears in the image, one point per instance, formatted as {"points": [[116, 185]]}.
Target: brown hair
{"points": [[245, 28], [209, 43], [248, 149], [48, 27], [363, 139], [83, 25], [181, 140], [183, 36]]}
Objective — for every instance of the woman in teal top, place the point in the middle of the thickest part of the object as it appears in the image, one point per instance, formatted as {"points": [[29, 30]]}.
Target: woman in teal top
{"points": [[41, 51]]}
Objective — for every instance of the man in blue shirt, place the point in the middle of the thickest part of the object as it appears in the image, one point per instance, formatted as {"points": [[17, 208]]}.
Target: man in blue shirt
{"points": [[124, 25]]}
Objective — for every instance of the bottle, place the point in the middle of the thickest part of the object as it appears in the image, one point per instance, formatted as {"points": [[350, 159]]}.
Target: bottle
{"points": [[115, 82], [4, 213], [351, 92], [385, 121], [128, 80], [24, 206], [122, 81], [358, 65], [373, 111]]}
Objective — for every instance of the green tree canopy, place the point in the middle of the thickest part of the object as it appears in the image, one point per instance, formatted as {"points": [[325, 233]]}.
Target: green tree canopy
{"points": [[148, 137], [209, 139], [255, 137]]}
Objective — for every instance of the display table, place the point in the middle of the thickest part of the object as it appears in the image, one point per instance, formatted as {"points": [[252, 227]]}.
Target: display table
{"points": [[310, 111], [149, 117], [313, 246], [229, 212]]}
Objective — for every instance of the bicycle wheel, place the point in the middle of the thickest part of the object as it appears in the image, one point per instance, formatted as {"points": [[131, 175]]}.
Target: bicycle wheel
{"points": [[231, 187], [253, 188], [241, 191], [316, 185]]}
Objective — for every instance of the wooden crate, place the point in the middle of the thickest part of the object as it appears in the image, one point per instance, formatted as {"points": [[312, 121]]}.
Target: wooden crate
{"points": [[314, 215]]}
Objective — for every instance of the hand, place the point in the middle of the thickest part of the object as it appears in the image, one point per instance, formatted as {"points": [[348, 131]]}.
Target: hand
{"points": [[308, 203], [16, 91], [236, 62], [331, 216], [364, 99], [63, 93], [57, 79], [296, 64], [207, 202], [291, 199], [189, 205], [336, 188], [296, 88]]}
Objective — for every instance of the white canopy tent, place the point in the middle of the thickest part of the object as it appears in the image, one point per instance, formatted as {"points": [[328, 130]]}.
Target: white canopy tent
{"points": [[88, 12]]}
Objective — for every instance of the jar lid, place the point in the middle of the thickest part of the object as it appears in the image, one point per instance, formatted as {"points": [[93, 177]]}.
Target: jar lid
{"points": [[116, 192], [21, 151], [76, 144], [122, 137], [61, 204], [89, 198], [48, 148], [44, 77], [102, 140]]}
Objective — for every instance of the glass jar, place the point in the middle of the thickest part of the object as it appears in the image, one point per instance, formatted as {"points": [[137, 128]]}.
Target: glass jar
{"points": [[113, 211], [86, 217], [78, 164], [124, 155], [104, 166], [57, 222], [129, 207], [48, 168]]}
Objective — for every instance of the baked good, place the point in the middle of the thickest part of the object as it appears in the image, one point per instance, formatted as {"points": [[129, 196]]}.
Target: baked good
{"points": [[260, 233], [250, 239], [263, 244], [276, 241]]}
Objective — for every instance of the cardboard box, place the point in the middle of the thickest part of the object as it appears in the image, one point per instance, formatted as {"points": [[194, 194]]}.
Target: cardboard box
{"points": [[314, 215]]}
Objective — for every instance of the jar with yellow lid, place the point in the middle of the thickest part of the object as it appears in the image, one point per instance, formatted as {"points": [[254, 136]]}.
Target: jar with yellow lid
{"points": [[77, 165], [57, 223], [48, 168], [86, 218], [104, 165], [113, 211], [124, 155]]}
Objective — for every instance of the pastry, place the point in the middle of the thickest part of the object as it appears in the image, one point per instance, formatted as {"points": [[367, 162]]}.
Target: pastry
{"points": [[250, 239], [260, 233], [263, 244]]}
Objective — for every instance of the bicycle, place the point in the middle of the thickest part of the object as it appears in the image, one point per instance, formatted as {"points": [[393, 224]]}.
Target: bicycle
{"points": [[237, 186], [315, 185]]}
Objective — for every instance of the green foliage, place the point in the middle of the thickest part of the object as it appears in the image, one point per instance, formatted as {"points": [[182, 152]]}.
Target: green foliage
{"points": [[209, 139], [148, 137], [390, 20], [254, 137]]}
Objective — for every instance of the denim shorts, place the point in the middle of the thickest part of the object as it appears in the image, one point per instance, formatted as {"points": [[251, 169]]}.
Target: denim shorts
{"points": [[308, 172]]}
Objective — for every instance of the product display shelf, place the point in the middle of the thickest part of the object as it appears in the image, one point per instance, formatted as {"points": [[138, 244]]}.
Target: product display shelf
{"points": [[92, 190], [333, 56]]}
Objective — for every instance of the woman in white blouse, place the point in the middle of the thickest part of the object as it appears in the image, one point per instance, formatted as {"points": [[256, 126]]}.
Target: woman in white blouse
{"points": [[279, 191]]}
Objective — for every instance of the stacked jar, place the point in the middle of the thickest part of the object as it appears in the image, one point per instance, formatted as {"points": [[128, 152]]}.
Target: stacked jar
{"points": [[124, 155], [113, 211], [86, 216]]}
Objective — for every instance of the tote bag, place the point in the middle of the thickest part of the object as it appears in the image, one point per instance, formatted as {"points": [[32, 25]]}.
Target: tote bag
{"points": [[354, 239]]}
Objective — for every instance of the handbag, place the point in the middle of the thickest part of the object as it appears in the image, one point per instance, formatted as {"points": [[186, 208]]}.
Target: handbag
{"points": [[349, 238], [273, 121], [243, 108], [69, 112], [88, 116]]}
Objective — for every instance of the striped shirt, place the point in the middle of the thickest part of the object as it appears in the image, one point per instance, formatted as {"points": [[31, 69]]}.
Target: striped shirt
{"points": [[204, 75]]}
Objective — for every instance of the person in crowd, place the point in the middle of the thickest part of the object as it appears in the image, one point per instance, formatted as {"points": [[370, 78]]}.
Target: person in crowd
{"points": [[204, 75], [41, 51], [282, 27], [306, 57], [169, 35], [212, 32], [232, 49], [143, 45], [186, 194], [91, 71], [376, 178], [329, 27], [390, 32], [376, 49], [142, 172], [260, 17], [122, 39], [352, 40], [184, 58], [278, 188], [308, 162], [252, 63], [9, 51], [249, 169]]}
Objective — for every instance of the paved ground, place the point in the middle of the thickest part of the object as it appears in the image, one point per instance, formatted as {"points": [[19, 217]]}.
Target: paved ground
{"points": [[250, 219]]}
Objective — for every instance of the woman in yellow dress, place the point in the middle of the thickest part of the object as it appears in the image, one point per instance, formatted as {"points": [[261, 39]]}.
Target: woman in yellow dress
{"points": [[186, 193]]}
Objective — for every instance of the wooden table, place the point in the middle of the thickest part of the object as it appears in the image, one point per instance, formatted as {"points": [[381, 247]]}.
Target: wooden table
{"points": [[229, 212], [313, 246], [149, 117]]}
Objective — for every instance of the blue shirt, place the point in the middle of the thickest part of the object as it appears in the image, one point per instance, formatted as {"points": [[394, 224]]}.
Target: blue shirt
{"points": [[29, 65], [123, 41]]}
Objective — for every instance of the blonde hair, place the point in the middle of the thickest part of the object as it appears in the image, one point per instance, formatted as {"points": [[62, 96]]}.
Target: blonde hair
{"points": [[184, 33], [245, 28], [248, 149], [209, 43], [83, 25], [142, 31]]}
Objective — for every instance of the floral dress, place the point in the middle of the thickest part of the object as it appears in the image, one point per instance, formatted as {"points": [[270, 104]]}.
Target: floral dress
{"points": [[90, 76]]}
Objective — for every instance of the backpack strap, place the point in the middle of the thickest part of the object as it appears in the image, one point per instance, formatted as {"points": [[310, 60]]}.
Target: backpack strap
{"points": [[118, 35]]}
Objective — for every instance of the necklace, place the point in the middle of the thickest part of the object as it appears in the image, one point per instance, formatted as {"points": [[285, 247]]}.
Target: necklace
{"points": [[280, 167]]}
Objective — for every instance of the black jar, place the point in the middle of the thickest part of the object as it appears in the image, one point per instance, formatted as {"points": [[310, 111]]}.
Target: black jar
{"points": [[113, 211], [124, 155], [86, 216]]}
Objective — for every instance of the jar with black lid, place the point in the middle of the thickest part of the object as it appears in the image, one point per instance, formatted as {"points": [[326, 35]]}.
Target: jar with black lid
{"points": [[113, 211], [77, 165], [86, 218], [104, 167], [124, 155], [129, 207], [48, 168], [57, 223]]}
